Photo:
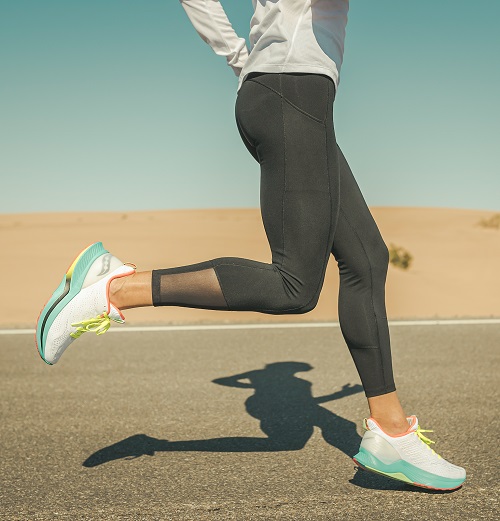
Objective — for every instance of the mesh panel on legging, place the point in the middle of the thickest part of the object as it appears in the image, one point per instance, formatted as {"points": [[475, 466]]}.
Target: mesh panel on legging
{"points": [[195, 286], [286, 122]]}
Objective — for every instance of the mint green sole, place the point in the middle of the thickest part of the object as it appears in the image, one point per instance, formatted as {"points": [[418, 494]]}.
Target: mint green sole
{"points": [[69, 287], [404, 471]]}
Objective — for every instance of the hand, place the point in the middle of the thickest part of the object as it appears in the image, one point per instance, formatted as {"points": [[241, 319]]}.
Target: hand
{"points": [[237, 70]]}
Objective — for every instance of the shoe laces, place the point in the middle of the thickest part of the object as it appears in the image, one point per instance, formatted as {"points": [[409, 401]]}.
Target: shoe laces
{"points": [[99, 325], [425, 439]]}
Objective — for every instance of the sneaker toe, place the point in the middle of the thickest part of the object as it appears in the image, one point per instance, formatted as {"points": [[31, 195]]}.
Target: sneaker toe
{"points": [[57, 341]]}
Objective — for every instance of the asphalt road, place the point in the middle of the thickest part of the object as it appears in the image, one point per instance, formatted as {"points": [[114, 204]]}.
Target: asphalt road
{"points": [[238, 424]]}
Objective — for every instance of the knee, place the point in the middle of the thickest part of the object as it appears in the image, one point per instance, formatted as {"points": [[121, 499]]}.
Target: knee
{"points": [[379, 257], [367, 265], [302, 301], [301, 297], [295, 306], [376, 259], [306, 304]]}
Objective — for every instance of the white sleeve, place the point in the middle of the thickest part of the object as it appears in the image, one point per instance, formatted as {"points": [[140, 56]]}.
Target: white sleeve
{"points": [[211, 23]]}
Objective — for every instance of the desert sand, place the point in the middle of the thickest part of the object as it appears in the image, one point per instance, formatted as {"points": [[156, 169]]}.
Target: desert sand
{"points": [[455, 271]]}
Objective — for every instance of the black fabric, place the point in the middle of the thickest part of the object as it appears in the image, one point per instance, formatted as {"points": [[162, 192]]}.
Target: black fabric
{"points": [[311, 207], [191, 286]]}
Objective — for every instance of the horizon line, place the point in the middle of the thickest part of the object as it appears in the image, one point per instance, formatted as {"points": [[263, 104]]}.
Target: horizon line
{"points": [[231, 208]]}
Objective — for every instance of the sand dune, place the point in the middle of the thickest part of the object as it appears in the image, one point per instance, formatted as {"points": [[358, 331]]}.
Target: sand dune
{"points": [[455, 272]]}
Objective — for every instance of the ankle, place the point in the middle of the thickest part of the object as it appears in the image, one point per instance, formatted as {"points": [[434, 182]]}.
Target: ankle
{"points": [[392, 425], [387, 411], [117, 290]]}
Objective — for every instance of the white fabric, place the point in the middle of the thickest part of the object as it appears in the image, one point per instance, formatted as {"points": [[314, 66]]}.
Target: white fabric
{"points": [[115, 314], [411, 449], [102, 266], [285, 35], [88, 303]]}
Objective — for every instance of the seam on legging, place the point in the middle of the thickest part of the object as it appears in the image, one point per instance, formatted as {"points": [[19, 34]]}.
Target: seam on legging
{"points": [[327, 107], [243, 266], [328, 246], [220, 284], [284, 178], [371, 290], [289, 102]]}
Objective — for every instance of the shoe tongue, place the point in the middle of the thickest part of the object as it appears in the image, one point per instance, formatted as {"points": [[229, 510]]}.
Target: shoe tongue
{"points": [[115, 314], [413, 422]]}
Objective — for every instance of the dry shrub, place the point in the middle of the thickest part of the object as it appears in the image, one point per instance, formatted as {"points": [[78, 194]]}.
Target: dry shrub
{"points": [[492, 222], [399, 257]]}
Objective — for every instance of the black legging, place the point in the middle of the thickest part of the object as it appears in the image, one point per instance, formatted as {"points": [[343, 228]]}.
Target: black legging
{"points": [[311, 206]]}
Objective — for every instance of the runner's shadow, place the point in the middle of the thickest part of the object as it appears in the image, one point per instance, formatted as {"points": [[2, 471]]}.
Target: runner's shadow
{"points": [[282, 402]]}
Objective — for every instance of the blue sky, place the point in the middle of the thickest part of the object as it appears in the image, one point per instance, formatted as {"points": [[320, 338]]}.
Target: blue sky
{"points": [[120, 105]]}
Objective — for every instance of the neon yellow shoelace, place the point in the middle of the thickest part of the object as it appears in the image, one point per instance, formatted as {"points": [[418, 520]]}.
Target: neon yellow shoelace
{"points": [[425, 439], [99, 325]]}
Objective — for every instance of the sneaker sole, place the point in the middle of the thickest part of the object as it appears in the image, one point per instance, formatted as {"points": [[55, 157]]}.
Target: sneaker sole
{"points": [[69, 287], [406, 472]]}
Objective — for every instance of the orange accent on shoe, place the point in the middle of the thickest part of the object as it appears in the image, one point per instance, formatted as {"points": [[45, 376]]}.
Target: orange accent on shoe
{"points": [[413, 421]]}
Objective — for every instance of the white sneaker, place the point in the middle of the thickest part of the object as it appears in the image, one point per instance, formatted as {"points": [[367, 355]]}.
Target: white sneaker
{"points": [[407, 457], [80, 303]]}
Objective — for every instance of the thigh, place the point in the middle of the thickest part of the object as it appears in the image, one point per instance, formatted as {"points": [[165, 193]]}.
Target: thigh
{"points": [[288, 119]]}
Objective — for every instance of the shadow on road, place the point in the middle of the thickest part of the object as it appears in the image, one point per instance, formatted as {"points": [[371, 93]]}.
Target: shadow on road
{"points": [[288, 413], [282, 402]]}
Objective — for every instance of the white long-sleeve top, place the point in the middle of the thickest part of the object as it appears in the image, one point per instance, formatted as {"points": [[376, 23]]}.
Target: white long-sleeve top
{"points": [[285, 35]]}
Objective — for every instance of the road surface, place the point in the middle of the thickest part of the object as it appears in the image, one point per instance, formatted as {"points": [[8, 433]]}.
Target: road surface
{"points": [[243, 424]]}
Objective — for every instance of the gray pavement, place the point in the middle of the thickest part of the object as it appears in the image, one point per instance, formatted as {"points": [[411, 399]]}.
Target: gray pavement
{"points": [[174, 425]]}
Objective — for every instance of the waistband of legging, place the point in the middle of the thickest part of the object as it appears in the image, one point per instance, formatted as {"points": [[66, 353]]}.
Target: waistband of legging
{"points": [[255, 74]]}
